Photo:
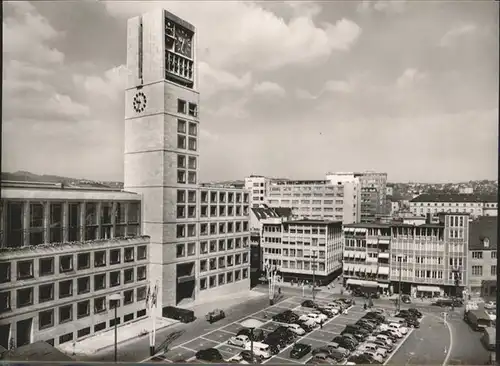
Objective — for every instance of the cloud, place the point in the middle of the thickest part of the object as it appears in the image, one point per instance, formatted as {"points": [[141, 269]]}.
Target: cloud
{"points": [[451, 37], [304, 94], [410, 77], [111, 84], [338, 86], [307, 8], [389, 6], [250, 35], [267, 88], [213, 81]]}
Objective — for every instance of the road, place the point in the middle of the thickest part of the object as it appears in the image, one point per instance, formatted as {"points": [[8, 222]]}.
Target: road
{"points": [[138, 349]]}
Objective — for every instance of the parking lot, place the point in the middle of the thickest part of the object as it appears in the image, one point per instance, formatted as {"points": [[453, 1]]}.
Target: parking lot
{"points": [[218, 338]]}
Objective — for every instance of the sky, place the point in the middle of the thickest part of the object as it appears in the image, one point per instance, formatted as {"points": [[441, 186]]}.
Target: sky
{"points": [[294, 89]]}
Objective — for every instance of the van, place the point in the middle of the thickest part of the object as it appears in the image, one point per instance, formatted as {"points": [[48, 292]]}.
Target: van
{"points": [[183, 315], [261, 350]]}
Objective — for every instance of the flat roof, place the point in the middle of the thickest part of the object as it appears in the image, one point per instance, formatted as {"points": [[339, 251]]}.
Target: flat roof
{"points": [[459, 198], [311, 222]]}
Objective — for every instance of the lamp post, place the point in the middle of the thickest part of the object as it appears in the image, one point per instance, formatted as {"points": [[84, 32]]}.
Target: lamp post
{"points": [[115, 299], [400, 289], [251, 324]]}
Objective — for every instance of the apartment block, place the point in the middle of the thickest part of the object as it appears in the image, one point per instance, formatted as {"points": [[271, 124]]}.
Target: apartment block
{"points": [[63, 251], [257, 187], [482, 256], [199, 234], [473, 204], [303, 249]]}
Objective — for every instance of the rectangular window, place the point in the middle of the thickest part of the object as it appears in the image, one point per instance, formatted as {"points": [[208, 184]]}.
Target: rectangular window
{"points": [[83, 285], [14, 224], [65, 289], [5, 269], [83, 260], [180, 251], [99, 304], [128, 275], [191, 212], [99, 327], [191, 177], [181, 106], [192, 143], [129, 254], [100, 258], [192, 162], [203, 247], [65, 263], [46, 292], [25, 297], [493, 270], [212, 281], [222, 278], [5, 301], [477, 255], [181, 126], [36, 223], [181, 176], [193, 129], [128, 297], [181, 161], [191, 249], [141, 273], [68, 337], [141, 252], [181, 231], [55, 219], [46, 266], [83, 309], [83, 332], [74, 221], [115, 256], [45, 319], [191, 230], [24, 270], [203, 283], [193, 110], [140, 294], [181, 142], [114, 279], [134, 212]]}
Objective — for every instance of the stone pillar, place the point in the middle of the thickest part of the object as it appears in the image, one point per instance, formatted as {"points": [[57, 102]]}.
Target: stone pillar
{"points": [[114, 207], [26, 223], [46, 222], [82, 222], [98, 218], [65, 222]]}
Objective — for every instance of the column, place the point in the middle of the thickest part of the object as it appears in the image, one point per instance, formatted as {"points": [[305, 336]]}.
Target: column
{"points": [[82, 222], [46, 222], [98, 218], [26, 223], [65, 222], [113, 219]]}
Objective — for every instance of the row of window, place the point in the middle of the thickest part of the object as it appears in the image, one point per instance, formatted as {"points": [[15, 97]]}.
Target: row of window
{"points": [[188, 108], [47, 292], [66, 313], [294, 253], [441, 204], [479, 255], [306, 266], [189, 211], [477, 271], [68, 337], [223, 278], [215, 197], [25, 269], [453, 262], [213, 264], [407, 274], [189, 230], [189, 249]]}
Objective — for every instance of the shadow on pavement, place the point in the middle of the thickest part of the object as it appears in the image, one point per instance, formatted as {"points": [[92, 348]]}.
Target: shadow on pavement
{"points": [[171, 337]]}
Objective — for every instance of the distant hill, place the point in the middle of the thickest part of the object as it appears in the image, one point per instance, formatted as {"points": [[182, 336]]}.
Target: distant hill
{"points": [[47, 178]]}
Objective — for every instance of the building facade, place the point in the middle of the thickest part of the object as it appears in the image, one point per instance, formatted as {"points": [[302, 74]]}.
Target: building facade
{"points": [[162, 165], [473, 204], [421, 258], [303, 250], [64, 250], [257, 186], [318, 199], [482, 257]]}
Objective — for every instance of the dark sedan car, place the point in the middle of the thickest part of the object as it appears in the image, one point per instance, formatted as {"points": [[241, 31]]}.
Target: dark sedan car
{"points": [[309, 304], [360, 337], [361, 359], [365, 325], [415, 312], [303, 325], [345, 342], [285, 318], [299, 350], [327, 312], [372, 315], [209, 355]]}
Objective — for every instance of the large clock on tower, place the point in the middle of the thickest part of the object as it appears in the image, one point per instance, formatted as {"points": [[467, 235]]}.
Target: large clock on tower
{"points": [[183, 42], [139, 102]]}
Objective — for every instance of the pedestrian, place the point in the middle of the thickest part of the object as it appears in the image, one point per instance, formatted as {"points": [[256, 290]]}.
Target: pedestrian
{"points": [[321, 325]]}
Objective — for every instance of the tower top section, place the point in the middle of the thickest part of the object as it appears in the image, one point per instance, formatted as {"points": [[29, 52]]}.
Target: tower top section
{"points": [[161, 46]]}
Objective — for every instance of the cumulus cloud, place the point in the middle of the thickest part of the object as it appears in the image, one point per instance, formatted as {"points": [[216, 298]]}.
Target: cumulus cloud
{"points": [[251, 35], [339, 86], [111, 84], [268, 88], [304, 94], [451, 37], [409, 78], [214, 80], [385, 6]]}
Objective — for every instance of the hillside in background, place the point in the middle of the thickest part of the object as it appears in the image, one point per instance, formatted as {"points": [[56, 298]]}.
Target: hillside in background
{"points": [[47, 178]]}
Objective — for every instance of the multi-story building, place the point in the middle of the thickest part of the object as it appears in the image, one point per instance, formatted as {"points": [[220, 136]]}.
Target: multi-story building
{"points": [[473, 204], [64, 250], [482, 256], [318, 199], [303, 250], [199, 235], [421, 258], [257, 187]]}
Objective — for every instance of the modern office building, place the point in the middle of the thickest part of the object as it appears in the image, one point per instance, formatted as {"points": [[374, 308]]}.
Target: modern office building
{"points": [[482, 256], [64, 250], [257, 187], [425, 258], [318, 199], [303, 250], [473, 204], [199, 235]]}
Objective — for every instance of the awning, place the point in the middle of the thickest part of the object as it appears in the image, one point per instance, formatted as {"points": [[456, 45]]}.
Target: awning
{"points": [[357, 255], [383, 285], [356, 268], [428, 289], [362, 254], [353, 281], [383, 270], [370, 283], [383, 255]]}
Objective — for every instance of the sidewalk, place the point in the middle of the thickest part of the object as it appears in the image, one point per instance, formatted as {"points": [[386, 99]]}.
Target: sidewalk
{"points": [[105, 339]]}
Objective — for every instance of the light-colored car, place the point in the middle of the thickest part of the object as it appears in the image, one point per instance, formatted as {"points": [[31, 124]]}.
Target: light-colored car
{"points": [[239, 341], [376, 356], [322, 316], [372, 347], [239, 359], [380, 343], [337, 347], [385, 338], [490, 305], [311, 316], [400, 328], [332, 309], [296, 329]]}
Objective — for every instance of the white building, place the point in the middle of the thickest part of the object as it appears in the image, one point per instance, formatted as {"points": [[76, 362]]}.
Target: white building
{"points": [[257, 187], [473, 204]]}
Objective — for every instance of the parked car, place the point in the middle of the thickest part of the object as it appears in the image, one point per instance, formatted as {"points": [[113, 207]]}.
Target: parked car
{"points": [[326, 311], [286, 333], [353, 338], [339, 348], [239, 341], [357, 328], [365, 325], [413, 322], [245, 357], [490, 305], [209, 355], [377, 358], [405, 299], [324, 317], [322, 359], [317, 319], [215, 315], [258, 335], [386, 339], [345, 342], [373, 315], [309, 304], [285, 317], [299, 350], [330, 352], [297, 329], [389, 334], [360, 359], [415, 312], [275, 341], [335, 309], [373, 348], [380, 343], [308, 325], [346, 301]]}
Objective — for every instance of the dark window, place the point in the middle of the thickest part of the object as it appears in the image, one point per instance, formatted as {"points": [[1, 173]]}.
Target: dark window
{"points": [[5, 269], [36, 223], [192, 162], [181, 141], [128, 275], [46, 292], [181, 161], [181, 252], [83, 285], [115, 256], [181, 126], [141, 313], [181, 196], [56, 219], [181, 176], [181, 212], [100, 258], [66, 338], [121, 209], [142, 252], [192, 177], [193, 110], [99, 304], [134, 212], [65, 263], [128, 297], [181, 106], [129, 254], [5, 301], [46, 319], [114, 279], [193, 129], [65, 289], [83, 332], [74, 221], [99, 327], [192, 144], [83, 260], [46, 266], [25, 297], [113, 321], [141, 273], [106, 209], [100, 282], [141, 294], [24, 270], [14, 225], [83, 309], [90, 214], [128, 317]]}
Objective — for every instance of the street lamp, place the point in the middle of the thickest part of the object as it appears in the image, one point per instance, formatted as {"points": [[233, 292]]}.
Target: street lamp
{"points": [[271, 272], [251, 324], [115, 299]]}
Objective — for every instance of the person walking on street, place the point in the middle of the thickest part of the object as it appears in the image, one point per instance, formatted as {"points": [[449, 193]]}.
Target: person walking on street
{"points": [[321, 325]]}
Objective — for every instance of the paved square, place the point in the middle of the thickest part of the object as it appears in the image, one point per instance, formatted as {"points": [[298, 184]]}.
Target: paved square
{"points": [[199, 344], [232, 328], [321, 336], [218, 336], [332, 327], [232, 350], [263, 315], [179, 354], [274, 310], [270, 327], [280, 360]]}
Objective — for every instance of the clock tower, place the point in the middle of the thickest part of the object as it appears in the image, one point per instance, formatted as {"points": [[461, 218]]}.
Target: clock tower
{"points": [[161, 132]]}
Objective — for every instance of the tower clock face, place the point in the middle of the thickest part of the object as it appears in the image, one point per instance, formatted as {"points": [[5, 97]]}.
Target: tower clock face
{"points": [[183, 42], [139, 102]]}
